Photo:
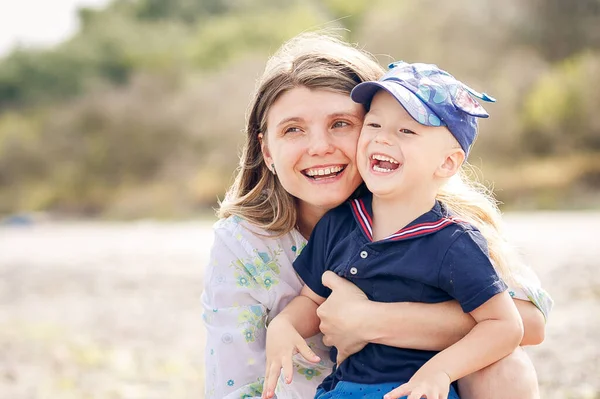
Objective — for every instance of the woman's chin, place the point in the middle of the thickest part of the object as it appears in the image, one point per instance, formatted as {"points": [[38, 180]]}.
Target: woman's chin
{"points": [[325, 200]]}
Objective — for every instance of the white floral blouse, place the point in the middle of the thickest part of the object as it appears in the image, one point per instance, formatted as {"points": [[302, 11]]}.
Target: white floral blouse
{"points": [[248, 281]]}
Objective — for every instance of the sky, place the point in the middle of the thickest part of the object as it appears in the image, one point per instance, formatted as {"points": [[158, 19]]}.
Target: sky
{"points": [[39, 22]]}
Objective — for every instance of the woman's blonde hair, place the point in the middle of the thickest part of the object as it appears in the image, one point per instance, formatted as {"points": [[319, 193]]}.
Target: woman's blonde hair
{"points": [[474, 203], [312, 60], [321, 61]]}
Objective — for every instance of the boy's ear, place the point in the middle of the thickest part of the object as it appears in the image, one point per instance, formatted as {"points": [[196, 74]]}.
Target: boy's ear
{"points": [[265, 150], [452, 162]]}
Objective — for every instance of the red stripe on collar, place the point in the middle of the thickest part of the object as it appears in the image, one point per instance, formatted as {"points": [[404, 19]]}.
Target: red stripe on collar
{"points": [[421, 229], [363, 217]]}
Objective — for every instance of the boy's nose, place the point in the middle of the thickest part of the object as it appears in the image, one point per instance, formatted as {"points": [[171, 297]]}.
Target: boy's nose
{"points": [[383, 137]]}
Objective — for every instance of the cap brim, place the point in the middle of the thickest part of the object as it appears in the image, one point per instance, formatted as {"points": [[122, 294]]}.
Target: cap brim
{"points": [[364, 92]]}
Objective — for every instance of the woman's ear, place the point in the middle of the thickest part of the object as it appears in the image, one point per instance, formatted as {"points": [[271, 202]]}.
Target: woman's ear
{"points": [[452, 163], [265, 150]]}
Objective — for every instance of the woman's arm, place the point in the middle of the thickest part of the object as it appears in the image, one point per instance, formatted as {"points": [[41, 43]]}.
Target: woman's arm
{"points": [[235, 326], [349, 321], [248, 280], [437, 326]]}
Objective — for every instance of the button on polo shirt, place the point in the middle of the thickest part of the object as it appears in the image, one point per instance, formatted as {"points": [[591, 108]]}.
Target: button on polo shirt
{"points": [[434, 259]]}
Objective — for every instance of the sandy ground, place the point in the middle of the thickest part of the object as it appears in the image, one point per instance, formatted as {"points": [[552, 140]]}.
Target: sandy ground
{"points": [[113, 310]]}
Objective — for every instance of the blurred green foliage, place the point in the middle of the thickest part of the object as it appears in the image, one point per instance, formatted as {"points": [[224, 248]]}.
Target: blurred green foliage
{"points": [[140, 112]]}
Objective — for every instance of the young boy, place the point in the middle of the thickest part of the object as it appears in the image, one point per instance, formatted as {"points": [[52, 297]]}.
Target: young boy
{"points": [[399, 244]]}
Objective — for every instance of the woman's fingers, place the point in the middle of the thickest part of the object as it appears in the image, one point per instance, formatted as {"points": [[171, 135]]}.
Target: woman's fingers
{"points": [[326, 339], [331, 280]]}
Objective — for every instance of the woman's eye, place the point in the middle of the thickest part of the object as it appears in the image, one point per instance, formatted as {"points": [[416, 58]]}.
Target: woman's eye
{"points": [[292, 130], [406, 131], [340, 124]]}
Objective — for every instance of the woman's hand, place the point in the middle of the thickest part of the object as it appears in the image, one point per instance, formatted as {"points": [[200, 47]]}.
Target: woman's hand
{"points": [[283, 342], [343, 316]]}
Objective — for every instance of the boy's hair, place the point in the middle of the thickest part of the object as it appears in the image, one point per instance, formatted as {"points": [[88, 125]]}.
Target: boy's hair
{"points": [[312, 60]]}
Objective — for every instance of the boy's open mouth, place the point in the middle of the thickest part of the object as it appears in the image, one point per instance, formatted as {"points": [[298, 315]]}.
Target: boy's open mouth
{"points": [[383, 163], [324, 173]]}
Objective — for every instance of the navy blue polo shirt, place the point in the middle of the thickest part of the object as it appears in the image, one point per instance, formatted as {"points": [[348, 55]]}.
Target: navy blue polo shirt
{"points": [[435, 258]]}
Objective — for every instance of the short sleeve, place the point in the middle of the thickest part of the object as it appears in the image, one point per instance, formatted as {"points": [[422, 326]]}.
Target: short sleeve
{"points": [[527, 287], [467, 273], [312, 261]]}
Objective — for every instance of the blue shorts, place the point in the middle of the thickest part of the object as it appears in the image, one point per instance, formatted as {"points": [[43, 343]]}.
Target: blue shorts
{"points": [[346, 390]]}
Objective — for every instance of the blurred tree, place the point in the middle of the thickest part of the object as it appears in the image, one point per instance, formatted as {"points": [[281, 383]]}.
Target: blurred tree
{"points": [[560, 28], [220, 40], [560, 113], [187, 11], [148, 96]]}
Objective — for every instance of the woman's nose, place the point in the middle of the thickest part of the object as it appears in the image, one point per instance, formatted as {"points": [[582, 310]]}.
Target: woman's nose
{"points": [[320, 143]]}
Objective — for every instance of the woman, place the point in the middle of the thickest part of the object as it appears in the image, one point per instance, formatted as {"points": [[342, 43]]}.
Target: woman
{"points": [[298, 162]]}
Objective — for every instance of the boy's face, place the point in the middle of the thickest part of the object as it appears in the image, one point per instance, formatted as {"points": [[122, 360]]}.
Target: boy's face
{"points": [[397, 156]]}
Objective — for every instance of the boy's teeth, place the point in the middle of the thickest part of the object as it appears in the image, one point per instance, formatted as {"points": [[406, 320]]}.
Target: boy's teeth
{"points": [[324, 171], [380, 157], [380, 169]]}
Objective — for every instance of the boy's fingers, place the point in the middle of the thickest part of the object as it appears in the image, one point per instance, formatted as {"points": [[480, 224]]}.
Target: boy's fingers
{"points": [[265, 383], [396, 393], [417, 394], [288, 369], [271, 380], [306, 352]]}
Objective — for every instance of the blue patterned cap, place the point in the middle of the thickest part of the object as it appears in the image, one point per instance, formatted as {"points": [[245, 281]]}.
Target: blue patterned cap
{"points": [[432, 97]]}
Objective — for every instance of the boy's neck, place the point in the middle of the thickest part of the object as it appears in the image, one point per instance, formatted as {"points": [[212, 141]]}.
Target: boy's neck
{"points": [[393, 214]]}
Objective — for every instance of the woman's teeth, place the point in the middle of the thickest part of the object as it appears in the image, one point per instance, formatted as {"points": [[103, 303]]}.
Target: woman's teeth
{"points": [[324, 171]]}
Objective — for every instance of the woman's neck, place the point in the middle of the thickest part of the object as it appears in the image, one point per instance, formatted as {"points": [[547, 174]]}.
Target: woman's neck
{"points": [[307, 218], [393, 214]]}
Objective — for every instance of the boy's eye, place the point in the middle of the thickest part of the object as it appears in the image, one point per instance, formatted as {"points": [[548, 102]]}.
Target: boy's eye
{"points": [[406, 131], [374, 125]]}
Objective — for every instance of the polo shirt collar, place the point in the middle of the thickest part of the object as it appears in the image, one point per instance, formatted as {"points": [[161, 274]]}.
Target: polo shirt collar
{"points": [[428, 223]]}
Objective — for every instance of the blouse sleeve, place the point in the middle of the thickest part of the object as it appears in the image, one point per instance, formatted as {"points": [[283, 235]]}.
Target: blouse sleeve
{"points": [[528, 288], [235, 304], [248, 280]]}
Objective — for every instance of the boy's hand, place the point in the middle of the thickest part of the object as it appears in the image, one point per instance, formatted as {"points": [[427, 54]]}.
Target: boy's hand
{"points": [[431, 386], [283, 341]]}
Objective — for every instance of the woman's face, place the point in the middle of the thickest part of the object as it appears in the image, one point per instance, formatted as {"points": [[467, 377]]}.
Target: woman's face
{"points": [[311, 140]]}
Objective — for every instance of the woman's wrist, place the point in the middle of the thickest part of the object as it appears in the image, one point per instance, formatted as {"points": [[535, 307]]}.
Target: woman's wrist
{"points": [[378, 321]]}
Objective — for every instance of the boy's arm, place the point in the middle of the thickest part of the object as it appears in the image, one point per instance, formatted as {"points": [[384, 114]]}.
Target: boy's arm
{"points": [[301, 313], [467, 274], [349, 320], [498, 332], [285, 337]]}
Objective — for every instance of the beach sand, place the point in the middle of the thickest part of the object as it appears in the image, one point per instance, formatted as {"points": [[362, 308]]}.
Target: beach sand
{"points": [[112, 310]]}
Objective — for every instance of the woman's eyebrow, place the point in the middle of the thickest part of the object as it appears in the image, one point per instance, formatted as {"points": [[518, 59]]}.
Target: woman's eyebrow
{"points": [[290, 119], [344, 115]]}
